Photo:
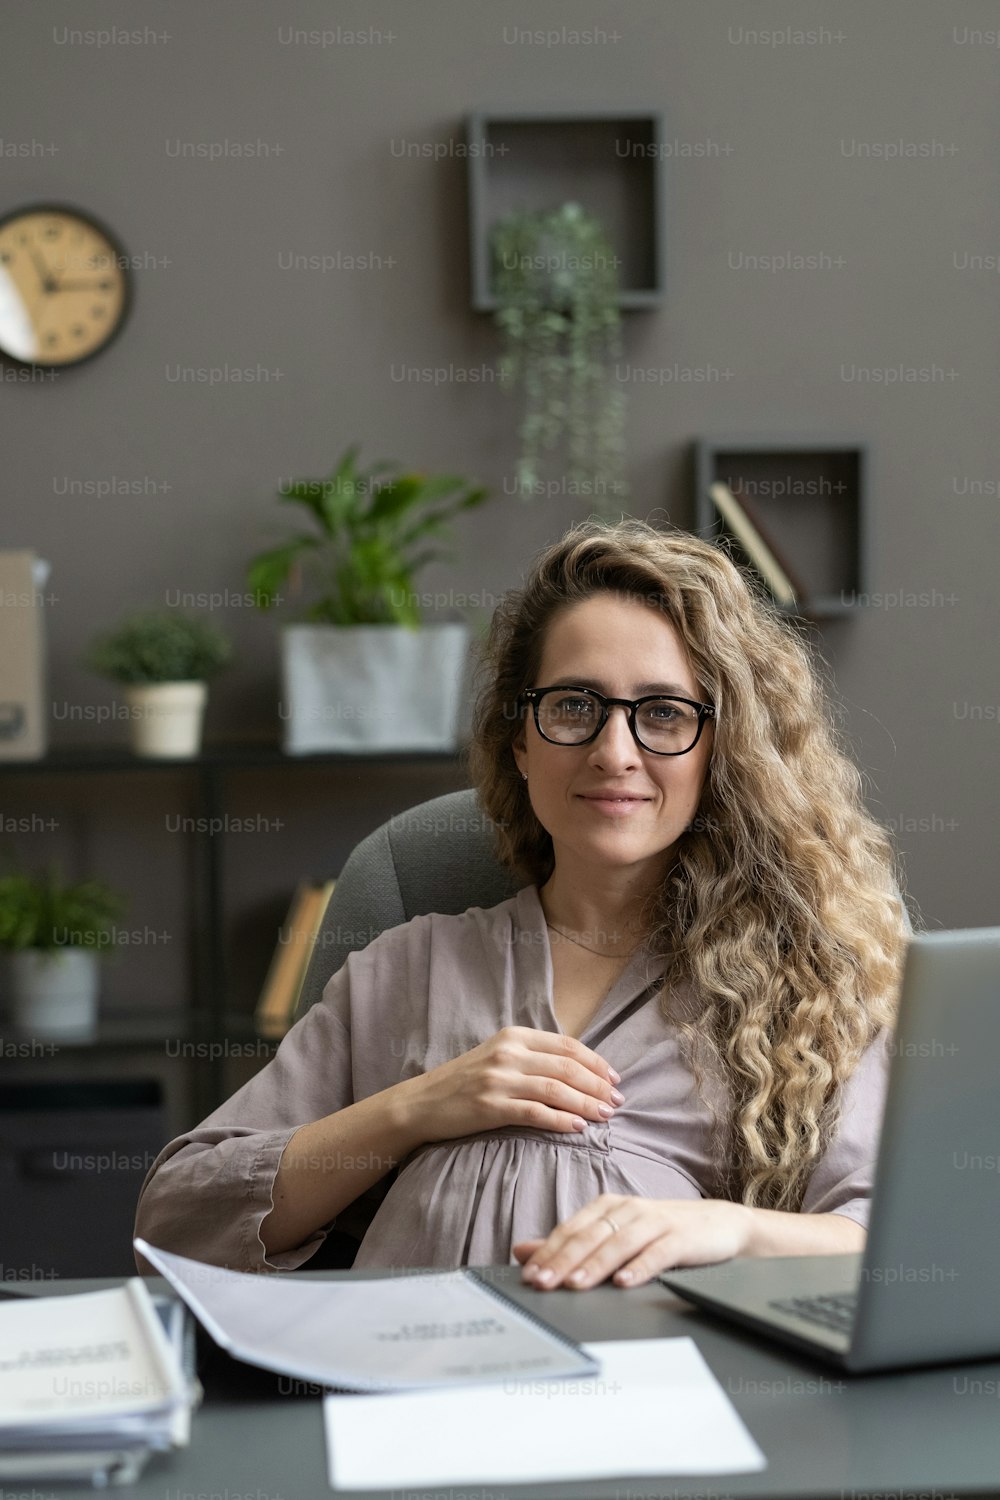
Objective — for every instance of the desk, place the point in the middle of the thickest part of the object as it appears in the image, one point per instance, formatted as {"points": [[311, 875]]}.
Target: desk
{"points": [[931, 1433]]}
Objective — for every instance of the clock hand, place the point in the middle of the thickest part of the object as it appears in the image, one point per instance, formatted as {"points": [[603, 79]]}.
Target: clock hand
{"points": [[48, 285]]}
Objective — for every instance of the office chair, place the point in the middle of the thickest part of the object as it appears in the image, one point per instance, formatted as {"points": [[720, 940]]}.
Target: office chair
{"points": [[435, 857]]}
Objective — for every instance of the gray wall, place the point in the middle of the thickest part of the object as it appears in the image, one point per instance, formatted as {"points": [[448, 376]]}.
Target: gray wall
{"points": [[100, 125]]}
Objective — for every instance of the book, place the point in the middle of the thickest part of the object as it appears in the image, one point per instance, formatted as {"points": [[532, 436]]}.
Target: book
{"points": [[92, 1383], [755, 517], [279, 996], [413, 1330], [312, 921], [23, 705], [760, 552]]}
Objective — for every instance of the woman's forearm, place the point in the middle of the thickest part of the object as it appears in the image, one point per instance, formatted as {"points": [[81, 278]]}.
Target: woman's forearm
{"points": [[775, 1232], [328, 1164]]}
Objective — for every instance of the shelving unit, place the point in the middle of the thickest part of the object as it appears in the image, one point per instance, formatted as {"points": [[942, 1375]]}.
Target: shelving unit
{"points": [[812, 497], [211, 1014], [211, 1010], [172, 1064], [610, 161]]}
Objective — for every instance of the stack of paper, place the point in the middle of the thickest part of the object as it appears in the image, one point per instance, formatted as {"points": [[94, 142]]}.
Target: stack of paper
{"points": [[90, 1385]]}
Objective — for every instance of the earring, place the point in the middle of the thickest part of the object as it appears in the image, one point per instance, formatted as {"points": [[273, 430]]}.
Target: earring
{"points": [[524, 775]]}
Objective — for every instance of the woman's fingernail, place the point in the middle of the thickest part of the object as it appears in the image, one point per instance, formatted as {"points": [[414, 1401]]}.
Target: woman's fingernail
{"points": [[615, 1077], [545, 1276], [530, 1270], [605, 1110], [579, 1124], [577, 1276], [616, 1097]]}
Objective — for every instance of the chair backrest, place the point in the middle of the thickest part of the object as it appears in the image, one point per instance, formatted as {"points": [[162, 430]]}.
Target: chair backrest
{"points": [[437, 856]]}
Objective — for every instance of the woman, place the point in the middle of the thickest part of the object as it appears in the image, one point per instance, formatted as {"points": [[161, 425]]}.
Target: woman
{"points": [[670, 1047]]}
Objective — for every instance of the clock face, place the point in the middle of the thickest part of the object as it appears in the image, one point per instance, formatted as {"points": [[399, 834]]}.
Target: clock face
{"points": [[63, 286]]}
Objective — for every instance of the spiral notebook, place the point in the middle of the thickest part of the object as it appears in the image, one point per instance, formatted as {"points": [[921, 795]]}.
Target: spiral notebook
{"points": [[414, 1330]]}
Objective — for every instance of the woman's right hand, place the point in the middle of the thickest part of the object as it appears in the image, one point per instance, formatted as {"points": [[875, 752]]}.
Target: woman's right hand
{"points": [[519, 1076]]}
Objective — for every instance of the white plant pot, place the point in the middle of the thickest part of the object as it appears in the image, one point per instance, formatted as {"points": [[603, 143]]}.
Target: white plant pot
{"points": [[165, 718], [368, 688], [55, 992]]}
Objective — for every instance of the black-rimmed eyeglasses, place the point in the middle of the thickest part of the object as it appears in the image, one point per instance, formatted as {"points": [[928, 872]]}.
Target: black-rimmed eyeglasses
{"points": [[661, 723]]}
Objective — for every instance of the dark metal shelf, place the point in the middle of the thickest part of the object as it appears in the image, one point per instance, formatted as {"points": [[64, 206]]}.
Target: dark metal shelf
{"points": [[142, 1030], [204, 1028], [222, 755]]}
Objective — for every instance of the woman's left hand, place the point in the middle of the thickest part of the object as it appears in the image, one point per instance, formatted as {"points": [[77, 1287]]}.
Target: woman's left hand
{"points": [[646, 1236]]}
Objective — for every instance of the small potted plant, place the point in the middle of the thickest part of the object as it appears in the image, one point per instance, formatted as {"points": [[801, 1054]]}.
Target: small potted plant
{"points": [[164, 661], [54, 935], [555, 278], [361, 671]]}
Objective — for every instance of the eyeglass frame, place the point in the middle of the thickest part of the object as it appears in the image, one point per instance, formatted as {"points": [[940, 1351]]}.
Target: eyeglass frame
{"points": [[534, 695]]}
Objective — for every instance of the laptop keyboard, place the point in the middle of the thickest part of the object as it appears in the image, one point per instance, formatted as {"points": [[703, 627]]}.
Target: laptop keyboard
{"points": [[835, 1310]]}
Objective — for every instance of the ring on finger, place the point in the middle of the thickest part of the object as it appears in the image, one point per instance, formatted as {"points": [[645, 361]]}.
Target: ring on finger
{"points": [[615, 1227]]}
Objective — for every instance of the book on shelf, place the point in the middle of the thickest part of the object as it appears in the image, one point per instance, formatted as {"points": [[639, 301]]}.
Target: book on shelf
{"points": [[23, 702], [744, 520], [279, 996]]}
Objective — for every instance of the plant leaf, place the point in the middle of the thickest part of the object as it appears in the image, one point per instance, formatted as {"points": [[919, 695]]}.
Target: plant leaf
{"points": [[268, 573]]}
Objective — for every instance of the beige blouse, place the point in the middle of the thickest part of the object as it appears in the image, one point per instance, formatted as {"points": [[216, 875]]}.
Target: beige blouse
{"points": [[419, 995]]}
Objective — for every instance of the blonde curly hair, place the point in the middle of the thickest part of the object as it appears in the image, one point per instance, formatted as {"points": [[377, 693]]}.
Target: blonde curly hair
{"points": [[781, 914]]}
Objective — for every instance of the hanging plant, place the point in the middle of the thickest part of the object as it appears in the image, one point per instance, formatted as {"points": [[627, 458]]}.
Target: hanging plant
{"points": [[556, 282]]}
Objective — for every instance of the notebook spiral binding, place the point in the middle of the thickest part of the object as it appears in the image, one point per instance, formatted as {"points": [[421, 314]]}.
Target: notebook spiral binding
{"points": [[592, 1365]]}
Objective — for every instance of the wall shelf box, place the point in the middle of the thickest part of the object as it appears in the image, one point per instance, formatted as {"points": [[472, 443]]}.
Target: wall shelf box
{"points": [[610, 161], [812, 498]]}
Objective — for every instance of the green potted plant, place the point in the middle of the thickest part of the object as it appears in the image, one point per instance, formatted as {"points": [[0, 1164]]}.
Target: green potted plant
{"points": [[54, 935], [164, 661], [555, 278], [360, 670]]}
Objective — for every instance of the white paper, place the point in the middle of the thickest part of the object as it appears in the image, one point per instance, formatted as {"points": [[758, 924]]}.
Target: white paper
{"points": [[655, 1408]]}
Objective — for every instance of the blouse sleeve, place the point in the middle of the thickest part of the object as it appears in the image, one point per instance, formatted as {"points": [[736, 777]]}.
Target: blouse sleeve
{"points": [[841, 1182], [209, 1190]]}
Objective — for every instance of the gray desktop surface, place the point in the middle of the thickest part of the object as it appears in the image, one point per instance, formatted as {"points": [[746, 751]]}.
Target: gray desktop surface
{"points": [[932, 1432]]}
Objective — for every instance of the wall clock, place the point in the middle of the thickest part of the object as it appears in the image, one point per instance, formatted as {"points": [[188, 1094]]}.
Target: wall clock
{"points": [[64, 285]]}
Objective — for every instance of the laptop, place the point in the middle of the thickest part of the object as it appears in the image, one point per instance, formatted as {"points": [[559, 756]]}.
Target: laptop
{"points": [[926, 1288]]}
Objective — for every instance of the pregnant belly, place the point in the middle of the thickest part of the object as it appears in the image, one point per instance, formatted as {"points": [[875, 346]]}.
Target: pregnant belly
{"points": [[467, 1201]]}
